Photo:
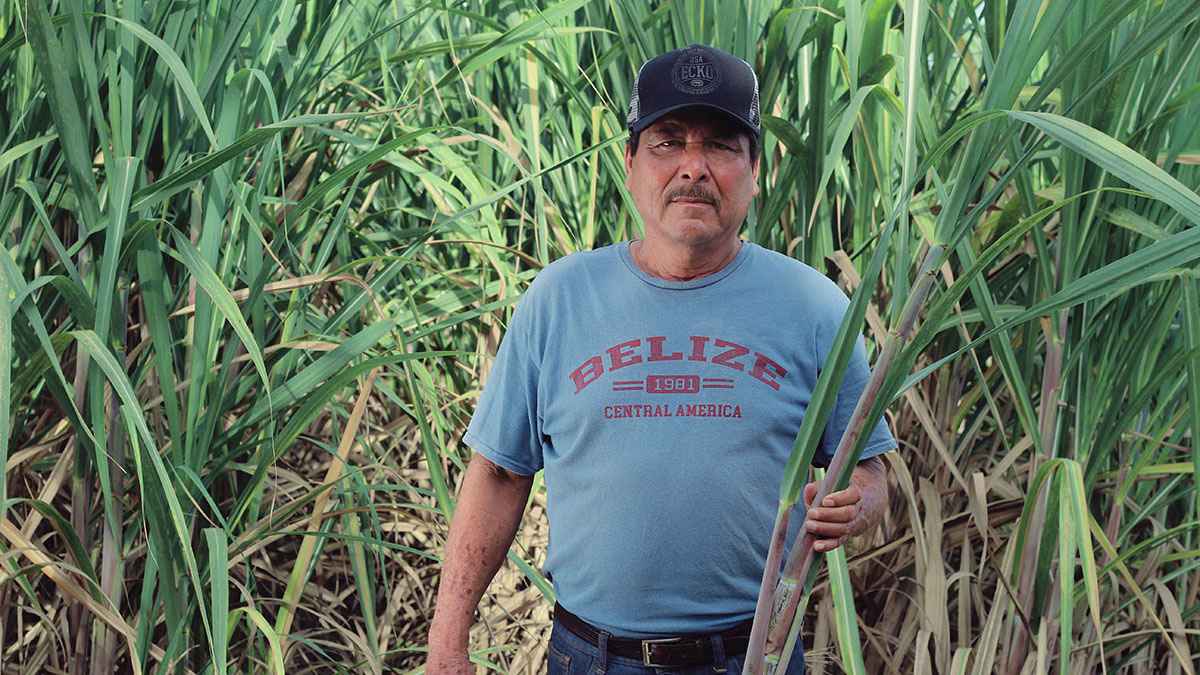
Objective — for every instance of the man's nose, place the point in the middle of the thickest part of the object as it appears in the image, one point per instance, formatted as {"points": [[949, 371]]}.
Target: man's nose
{"points": [[693, 165]]}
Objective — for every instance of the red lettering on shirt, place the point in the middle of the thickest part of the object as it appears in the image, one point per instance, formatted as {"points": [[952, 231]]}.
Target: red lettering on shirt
{"points": [[622, 355], [653, 349], [589, 372], [726, 358], [765, 370], [656, 350]]}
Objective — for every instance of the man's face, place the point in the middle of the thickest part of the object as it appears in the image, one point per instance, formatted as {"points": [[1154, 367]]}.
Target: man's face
{"points": [[692, 178]]}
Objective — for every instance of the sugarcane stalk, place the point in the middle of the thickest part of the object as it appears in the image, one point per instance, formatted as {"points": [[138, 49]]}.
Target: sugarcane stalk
{"points": [[1051, 381], [104, 652], [767, 643], [78, 622]]}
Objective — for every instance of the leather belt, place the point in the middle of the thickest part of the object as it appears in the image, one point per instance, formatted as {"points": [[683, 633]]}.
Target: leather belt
{"points": [[672, 652]]}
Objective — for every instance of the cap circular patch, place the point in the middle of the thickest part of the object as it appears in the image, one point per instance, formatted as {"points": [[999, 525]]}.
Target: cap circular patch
{"points": [[695, 73]]}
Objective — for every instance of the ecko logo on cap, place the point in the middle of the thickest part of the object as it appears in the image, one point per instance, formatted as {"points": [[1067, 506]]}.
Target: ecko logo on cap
{"points": [[693, 73]]}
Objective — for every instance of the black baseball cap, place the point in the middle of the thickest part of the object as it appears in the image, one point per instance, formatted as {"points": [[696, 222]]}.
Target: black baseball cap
{"points": [[695, 76]]}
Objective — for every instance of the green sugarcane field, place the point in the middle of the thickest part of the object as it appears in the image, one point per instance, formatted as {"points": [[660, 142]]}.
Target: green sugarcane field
{"points": [[258, 257]]}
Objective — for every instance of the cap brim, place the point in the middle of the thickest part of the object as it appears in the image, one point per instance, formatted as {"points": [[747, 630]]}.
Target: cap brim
{"points": [[653, 117]]}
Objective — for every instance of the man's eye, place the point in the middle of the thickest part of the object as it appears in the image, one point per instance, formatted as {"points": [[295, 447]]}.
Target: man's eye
{"points": [[722, 148]]}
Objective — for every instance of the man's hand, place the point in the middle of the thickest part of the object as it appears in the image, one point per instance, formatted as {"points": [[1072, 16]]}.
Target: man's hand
{"points": [[852, 511]]}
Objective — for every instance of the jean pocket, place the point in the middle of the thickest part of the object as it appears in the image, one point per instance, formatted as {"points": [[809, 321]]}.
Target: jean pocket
{"points": [[558, 662]]}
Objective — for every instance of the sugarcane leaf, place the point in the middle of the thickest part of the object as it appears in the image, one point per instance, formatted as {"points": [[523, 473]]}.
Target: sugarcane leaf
{"points": [[1116, 158], [218, 579], [196, 170], [224, 302]]}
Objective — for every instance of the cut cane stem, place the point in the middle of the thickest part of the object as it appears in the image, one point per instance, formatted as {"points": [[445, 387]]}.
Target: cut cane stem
{"points": [[758, 632]]}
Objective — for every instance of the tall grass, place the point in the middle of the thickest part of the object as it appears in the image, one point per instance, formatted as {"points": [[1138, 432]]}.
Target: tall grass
{"points": [[256, 257]]}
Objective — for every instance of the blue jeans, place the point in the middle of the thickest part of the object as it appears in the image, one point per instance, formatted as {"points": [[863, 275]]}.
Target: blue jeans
{"points": [[570, 654]]}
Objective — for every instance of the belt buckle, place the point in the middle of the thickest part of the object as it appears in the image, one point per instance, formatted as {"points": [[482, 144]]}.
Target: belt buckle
{"points": [[646, 651]]}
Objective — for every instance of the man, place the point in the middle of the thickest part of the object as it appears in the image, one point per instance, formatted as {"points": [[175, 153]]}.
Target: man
{"points": [[660, 384]]}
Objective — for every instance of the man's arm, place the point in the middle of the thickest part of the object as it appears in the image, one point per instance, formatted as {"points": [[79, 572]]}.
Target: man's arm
{"points": [[850, 512], [485, 521]]}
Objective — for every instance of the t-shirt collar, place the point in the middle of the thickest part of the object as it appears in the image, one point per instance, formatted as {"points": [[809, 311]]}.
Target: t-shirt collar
{"points": [[627, 258]]}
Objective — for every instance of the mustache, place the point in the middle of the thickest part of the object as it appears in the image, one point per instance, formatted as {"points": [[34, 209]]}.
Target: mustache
{"points": [[691, 192]]}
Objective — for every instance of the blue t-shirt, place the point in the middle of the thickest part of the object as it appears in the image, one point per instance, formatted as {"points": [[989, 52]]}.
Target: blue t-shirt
{"points": [[663, 414]]}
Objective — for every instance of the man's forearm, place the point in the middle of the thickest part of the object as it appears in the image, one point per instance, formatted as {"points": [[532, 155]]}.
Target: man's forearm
{"points": [[485, 521]]}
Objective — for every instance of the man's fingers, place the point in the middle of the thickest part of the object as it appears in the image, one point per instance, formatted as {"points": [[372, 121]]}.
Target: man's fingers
{"points": [[810, 491], [850, 495], [828, 528], [835, 520], [841, 507], [834, 514], [827, 545], [831, 526], [827, 536]]}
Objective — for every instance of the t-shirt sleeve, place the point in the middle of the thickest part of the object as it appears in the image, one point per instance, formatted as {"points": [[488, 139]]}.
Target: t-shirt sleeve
{"points": [[506, 426], [858, 371]]}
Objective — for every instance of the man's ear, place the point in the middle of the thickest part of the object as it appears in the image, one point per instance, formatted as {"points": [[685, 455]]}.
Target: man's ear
{"points": [[754, 169], [629, 166]]}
